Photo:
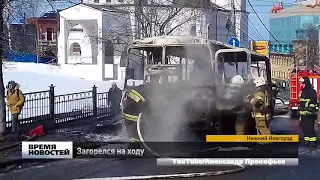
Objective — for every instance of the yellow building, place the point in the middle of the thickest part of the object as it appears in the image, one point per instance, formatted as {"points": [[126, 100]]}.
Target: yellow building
{"points": [[281, 65]]}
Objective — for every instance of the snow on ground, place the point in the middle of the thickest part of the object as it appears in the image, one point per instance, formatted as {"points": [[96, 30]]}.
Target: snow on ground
{"points": [[34, 77]]}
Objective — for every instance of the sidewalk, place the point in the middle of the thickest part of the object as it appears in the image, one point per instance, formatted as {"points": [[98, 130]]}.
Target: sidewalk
{"points": [[79, 135]]}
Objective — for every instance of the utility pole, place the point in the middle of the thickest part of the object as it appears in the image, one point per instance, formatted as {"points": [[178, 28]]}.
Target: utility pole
{"points": [[233, 18]]}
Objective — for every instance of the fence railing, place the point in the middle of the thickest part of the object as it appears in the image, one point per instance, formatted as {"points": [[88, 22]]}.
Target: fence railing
{"points": [[45, 105]]}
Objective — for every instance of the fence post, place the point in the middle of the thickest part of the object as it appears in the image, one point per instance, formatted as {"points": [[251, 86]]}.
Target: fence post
{"points": [[94, 101], [51, 102]]}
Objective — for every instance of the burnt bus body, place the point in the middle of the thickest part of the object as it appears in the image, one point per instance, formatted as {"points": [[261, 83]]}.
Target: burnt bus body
{"points": [[190, 82]]}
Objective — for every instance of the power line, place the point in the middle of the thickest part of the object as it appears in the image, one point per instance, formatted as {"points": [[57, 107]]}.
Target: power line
{"points": [[265, 25]]}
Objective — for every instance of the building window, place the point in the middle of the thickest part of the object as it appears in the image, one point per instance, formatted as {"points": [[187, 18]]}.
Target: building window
{"points": [[286, 48], [96, 1], [108, 0], [75, 49], [49, 34], [109, 52], [120, 1], [193, 30]]}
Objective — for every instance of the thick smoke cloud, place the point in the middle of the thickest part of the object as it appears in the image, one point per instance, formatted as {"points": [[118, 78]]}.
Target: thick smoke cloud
{"points": [[175, 105]]}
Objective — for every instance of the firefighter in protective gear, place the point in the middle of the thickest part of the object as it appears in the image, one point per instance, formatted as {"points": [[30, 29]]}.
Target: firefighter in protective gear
{"points": [[261, 106], [133, 103], [308, 111], [241, 118]]}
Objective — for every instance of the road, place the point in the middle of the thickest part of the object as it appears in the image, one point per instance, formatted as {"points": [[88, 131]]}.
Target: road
{"points": [[103, 168]]}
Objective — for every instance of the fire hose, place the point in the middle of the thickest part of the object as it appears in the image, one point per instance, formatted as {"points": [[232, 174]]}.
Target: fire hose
{"points": [[184, 175]]}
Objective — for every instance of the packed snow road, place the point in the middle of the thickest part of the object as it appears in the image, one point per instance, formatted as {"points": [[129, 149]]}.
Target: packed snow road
{"points": [[309, 164]]}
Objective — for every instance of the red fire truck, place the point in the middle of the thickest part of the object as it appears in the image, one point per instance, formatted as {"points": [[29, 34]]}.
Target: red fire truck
{"points": [[295, 75]]}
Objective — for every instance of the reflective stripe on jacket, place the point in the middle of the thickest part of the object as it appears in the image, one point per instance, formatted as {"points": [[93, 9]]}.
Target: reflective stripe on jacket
{"points": [[135, 95], [306, 107], [130, 117]]}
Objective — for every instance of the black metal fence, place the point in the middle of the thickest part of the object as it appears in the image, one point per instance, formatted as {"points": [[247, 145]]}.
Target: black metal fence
{"points": [[45, 105]]}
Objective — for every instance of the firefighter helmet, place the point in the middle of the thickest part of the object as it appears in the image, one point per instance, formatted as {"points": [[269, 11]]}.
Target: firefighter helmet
{"points": [[237, 80], [259, 81]]}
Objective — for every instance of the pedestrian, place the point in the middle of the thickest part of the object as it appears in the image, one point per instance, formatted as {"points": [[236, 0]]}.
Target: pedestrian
{"points": [[114, 99], [15, 101], [260, 101], [308, 111]]}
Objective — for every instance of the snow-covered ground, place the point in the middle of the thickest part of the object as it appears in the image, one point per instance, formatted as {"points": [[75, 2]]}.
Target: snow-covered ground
{"points": [[34, 77]]}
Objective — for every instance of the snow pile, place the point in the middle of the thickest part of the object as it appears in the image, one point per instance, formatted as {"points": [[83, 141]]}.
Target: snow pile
{"points": [[34, 77]]}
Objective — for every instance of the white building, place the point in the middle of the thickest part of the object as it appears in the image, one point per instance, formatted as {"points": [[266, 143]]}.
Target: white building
{"points": [[146, 18], [89, 41]]}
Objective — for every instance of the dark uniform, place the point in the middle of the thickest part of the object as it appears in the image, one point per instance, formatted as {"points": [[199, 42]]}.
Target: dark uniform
{"points": [[133, 105], [308, 111], [114, 100], [261, 109]]}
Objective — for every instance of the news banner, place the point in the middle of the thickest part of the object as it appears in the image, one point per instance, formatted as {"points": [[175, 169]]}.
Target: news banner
{"points": [[217, 150]]}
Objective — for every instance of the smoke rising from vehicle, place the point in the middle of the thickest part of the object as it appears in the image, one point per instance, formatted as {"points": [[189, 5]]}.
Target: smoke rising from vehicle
{"points": [[175, 105]]}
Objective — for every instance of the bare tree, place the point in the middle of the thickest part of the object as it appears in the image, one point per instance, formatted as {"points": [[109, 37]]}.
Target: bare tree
{"points": [[307, 46], [2, 90], [164, 17], [12, 11]]}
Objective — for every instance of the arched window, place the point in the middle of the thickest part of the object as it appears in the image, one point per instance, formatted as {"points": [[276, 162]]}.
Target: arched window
{"points": [[193, 30], [75, 49], [109, 52]]}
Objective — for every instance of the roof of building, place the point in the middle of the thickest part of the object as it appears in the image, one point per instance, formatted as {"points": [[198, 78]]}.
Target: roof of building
{"points": [[49, 15], [98, 7], [105, 8], [115, 7], [297, 10]]}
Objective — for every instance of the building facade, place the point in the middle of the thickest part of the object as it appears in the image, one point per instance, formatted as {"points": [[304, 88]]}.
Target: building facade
{"points": [[90, 45], [22, 38], [286, 23], [203, 18], [94, 35], [46, 35], [281, 65]]}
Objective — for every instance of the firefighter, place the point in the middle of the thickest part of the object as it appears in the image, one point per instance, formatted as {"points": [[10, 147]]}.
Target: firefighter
{"points": [[241, 119], [261, 106], [133, 104], [308, 111]]}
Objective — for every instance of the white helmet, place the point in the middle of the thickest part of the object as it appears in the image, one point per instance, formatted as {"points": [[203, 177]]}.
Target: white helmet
{"points": [[237, 80], [259, 81]]}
